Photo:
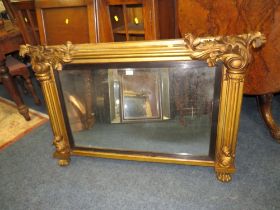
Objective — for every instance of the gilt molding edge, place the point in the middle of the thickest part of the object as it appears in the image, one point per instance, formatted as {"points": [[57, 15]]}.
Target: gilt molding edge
{"points": [[232, 51]]}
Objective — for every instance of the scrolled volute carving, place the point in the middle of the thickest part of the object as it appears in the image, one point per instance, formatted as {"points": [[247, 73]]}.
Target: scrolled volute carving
{"points": [[233, 51], [43, 56]]}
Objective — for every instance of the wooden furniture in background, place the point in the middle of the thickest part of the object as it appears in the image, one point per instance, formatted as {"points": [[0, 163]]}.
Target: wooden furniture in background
{"points": [[83, 21], [132, 19], [9, 9], [17, 68], [61, 21], [10, 39], [26, 21], [226, 17], [167, 19]]}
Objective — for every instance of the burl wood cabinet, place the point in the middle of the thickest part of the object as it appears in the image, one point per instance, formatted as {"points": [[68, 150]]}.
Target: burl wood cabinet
{"points": [[204, 17], [83, 21]]}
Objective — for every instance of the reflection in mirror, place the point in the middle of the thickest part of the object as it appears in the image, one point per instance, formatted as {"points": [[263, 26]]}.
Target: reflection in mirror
{"points": [[161, 110], [131, 101]]}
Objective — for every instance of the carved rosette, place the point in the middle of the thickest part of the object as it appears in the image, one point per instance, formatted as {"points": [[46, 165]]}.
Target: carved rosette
{"points": [[44, 59]]}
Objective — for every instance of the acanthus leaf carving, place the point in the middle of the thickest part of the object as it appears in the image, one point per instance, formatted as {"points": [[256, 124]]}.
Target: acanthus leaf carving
{"points": [[44, 55], [225, 158], [233, 51]]}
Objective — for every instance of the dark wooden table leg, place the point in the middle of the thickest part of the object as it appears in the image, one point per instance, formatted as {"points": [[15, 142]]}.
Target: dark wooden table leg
{"points": [[265, 102], [11, 87], [31, 88]]}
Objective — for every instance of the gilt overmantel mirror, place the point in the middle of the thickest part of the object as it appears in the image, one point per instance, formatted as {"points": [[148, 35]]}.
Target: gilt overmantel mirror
{"points": [[171, 101]]}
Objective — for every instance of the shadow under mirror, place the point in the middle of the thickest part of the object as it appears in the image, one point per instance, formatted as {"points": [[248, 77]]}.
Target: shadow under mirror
{"points": [[163, 108]]}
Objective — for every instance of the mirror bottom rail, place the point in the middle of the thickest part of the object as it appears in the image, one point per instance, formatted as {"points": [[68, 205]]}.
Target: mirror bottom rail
{"points": [[145, 157]]}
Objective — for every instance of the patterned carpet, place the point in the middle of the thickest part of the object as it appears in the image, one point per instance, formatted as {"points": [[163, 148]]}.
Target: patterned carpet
{"points": [[13, 126]]}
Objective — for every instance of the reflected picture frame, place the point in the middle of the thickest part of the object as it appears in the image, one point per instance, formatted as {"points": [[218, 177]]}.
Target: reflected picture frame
{"points": [[231, 53]]}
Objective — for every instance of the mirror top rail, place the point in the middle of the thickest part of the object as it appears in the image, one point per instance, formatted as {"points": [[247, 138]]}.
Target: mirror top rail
{"points": [[232, 50]]}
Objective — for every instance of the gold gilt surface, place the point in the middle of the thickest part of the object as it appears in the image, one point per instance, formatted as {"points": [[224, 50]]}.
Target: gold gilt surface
{"points": [[232, 51]]}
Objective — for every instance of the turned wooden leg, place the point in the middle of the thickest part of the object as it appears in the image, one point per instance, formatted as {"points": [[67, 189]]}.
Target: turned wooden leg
{"points": [[21, 83], [32, 91], [9, 84], [265, 102]]}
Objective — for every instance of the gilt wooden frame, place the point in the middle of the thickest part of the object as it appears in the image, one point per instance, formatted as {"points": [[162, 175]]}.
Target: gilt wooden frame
{"points": [[232, 51]]}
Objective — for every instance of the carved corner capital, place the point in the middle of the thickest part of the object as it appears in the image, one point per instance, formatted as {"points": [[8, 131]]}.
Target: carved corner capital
{"points": [[43, 56], [233, 51]]}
